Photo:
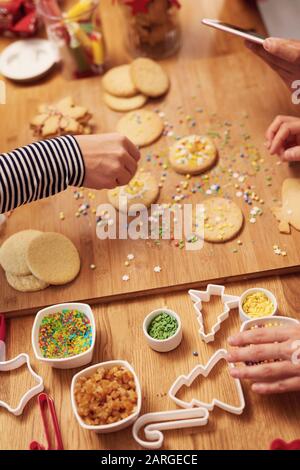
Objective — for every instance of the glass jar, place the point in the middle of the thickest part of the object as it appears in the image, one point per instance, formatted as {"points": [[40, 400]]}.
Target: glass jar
{"points": [[153, 27], [78, 35]]}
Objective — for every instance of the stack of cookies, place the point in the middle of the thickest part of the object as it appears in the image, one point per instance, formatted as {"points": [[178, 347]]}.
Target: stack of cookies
{"points": [[33, 260], [129, 86], [61, 118]]}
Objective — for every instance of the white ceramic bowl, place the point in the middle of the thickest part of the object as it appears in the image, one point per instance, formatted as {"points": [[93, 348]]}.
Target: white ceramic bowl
{"points": [[108, 428], [67, 362], [243, 315], [163, 345], [286, 321]]}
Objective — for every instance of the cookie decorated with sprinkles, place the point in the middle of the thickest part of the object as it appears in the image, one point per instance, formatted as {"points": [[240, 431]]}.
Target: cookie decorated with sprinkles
{"points": [[13, 252], [142, 190], [141, 127], [193, 155], [223, 220], [53, 258]]}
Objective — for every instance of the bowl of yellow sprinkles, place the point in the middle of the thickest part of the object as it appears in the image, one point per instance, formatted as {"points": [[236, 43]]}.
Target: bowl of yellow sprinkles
{"points": [[257, 303]]}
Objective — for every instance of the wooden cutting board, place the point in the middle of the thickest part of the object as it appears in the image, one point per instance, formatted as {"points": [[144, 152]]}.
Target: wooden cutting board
{"points": [[217, 87]]}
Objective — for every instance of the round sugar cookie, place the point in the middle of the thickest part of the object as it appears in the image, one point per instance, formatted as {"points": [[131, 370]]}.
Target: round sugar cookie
{"points": [[25, 283], [223, 220], [53, 258], [193, 155], [141, 127], [149, 77], [13, 252], [124, 104], [142, 190], [118, 82]]}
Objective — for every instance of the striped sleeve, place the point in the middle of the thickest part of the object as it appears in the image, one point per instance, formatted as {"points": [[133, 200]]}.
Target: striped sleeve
{"points": [[39, 170]]}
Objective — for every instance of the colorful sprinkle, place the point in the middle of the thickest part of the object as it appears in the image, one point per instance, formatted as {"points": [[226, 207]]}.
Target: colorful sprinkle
{"points": [[65, 334]]}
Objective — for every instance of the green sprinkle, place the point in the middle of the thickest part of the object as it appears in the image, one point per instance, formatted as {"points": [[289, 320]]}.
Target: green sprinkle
{"points": [[214, 135], [163, 326]]}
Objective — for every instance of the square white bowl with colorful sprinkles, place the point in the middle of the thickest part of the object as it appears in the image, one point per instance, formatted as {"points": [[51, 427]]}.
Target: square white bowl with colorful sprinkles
{"points": [[64, 335]]}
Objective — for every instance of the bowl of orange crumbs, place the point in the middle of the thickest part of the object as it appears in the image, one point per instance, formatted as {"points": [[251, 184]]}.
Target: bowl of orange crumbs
{"points": [[106, 397]]}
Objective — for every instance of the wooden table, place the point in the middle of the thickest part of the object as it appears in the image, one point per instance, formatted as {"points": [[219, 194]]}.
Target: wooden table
{"points": [[119, 334], [239, 96]]}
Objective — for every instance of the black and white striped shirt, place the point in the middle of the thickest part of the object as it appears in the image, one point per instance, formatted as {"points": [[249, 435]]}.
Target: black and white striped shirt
{"points": [[39, 170]]}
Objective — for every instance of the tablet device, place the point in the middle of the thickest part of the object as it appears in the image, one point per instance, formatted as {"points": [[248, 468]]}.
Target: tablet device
{"points": [[228, 28]]}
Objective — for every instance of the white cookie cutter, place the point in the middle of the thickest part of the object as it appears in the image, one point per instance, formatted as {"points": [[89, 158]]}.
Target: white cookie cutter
{"points": [[198, 297], [155, 423], [187, 380], [13, 364]]}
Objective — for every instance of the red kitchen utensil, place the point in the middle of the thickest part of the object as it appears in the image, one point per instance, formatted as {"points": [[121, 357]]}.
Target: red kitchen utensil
{"points": [[279, 444], [48, 413], [2, 337]]}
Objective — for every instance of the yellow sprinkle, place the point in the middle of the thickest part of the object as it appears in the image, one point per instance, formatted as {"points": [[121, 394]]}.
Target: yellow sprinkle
{"points": [[258, 305]]}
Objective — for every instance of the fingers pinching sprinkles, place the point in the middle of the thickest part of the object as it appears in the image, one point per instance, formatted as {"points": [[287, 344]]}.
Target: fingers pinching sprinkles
{"points": [[264, 351]]}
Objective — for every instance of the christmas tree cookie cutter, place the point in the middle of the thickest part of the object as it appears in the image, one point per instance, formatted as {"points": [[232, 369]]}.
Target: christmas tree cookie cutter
{"points": [[14, 364], [230, 302], [200, 370], [155, 423]]}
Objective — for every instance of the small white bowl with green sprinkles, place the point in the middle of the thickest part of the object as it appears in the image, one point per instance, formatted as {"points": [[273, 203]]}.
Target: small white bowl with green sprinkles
{"points": [[162, 329]]}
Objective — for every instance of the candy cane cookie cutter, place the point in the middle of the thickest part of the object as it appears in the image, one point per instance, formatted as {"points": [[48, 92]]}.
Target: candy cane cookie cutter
{"points": [[230, 302], [14, 364], [155, 423], [187, 380]]}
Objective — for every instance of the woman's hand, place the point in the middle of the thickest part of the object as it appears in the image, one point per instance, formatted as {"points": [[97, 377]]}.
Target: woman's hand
{"points": [[282, 55], [110, 160], [278, 344], [283, 138]]}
